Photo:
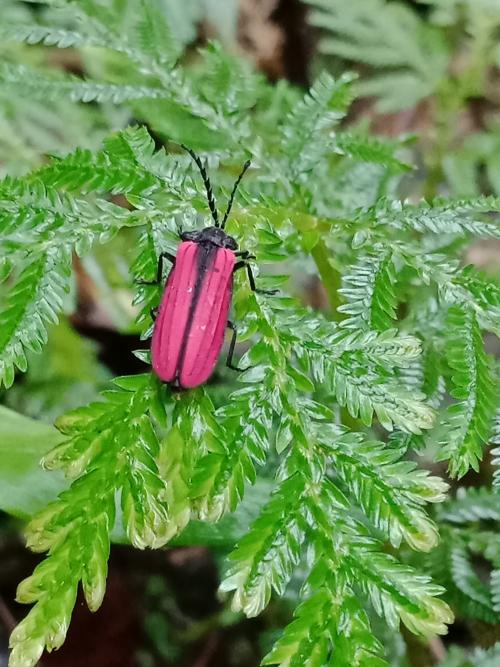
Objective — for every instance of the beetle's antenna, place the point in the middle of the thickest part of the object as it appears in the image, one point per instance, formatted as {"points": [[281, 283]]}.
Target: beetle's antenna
{"points": [[231, 198], [206, 181]]}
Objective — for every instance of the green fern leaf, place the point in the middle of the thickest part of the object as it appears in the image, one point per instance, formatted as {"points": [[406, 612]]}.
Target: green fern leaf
{"points": [[390, 349], [468, 423], [221, 476], [495, 452], [305, 641], [471, 505], [469, 584], [369, 149], [265, 557], [47, 35], [154, 35], [457, 217], [42, 86], [332, 623], [37, 218], [484, 295], [391, 492], [466, 286], [31, 304], [359, 386], [464, 546], [394, 593], [75, 528], [182, 455], [368, 288], [305, 130], [128, 163], [259, 563], [453, 565]]}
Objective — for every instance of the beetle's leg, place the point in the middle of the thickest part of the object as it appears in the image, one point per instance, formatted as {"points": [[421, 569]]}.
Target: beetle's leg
{"points": [[161, 261], [244, 254], [230, 354], [243, 264], [159, 274]]}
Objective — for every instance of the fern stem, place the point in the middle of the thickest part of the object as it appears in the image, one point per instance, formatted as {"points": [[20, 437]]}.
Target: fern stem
{"points": [[330, 278]]}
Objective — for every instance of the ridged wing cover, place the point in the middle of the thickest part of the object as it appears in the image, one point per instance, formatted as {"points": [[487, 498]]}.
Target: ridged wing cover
{"points": [[189, 330]]}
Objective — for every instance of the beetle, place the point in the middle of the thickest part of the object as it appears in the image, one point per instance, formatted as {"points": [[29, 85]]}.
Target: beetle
{"points": [[191, 320]]}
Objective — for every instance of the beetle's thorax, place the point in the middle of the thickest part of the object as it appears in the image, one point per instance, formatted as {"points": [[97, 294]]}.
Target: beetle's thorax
{"points": [[211, 235]]}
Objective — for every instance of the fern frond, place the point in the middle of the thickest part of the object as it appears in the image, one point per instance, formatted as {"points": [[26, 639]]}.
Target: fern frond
{"points": [[153, 34], [32, 303], [359, 386], [456, 563], [128, 163], [265, 557], [368, 288], [43, 86], [369, 149], [390, 491], [466, 549], [143, 492], [95, 29], [306, 640], [456, 217], [394, 592], [467, 582], [364, 23], [49, 36], [75, 528], [463, 287], [176, 470], [359, 371], [230, 84], [221, 476], [468, 423], [471, 592], [390, 349], [495, 452], [81, 556], [471, 505], [88, 431], [259, 563], [38, 218], [182, 454], [305, 130], [484, 294], [329, 623]]}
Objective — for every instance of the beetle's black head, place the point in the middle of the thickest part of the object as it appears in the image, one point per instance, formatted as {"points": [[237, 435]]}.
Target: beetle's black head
{"points": [[214, 235]]}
